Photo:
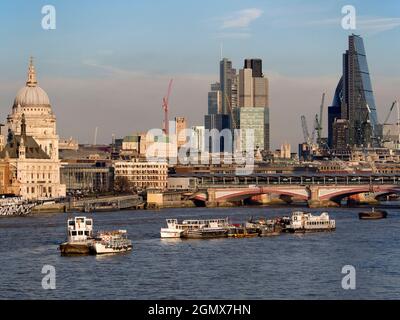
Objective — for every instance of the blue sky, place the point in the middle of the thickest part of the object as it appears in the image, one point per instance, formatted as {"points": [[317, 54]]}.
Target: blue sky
{"points": [[110, 61]]}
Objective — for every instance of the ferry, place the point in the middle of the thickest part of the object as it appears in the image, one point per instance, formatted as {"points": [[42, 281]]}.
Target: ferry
{"points": [[79, 236], [306, 222], [211, 228], [12, 205], [111, 242]]}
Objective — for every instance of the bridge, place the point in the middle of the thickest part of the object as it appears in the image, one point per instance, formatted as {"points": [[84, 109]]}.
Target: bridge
{"points": [[318, 190]]}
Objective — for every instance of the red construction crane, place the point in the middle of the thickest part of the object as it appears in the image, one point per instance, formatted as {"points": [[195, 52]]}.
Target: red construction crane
{"points": [[165, 107]]}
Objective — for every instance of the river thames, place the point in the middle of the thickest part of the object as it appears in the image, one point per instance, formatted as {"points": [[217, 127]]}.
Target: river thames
{"points": [[284, 267]]}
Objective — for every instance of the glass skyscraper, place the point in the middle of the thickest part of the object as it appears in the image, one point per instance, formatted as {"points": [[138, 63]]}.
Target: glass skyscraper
{"points": [[355, 99]]}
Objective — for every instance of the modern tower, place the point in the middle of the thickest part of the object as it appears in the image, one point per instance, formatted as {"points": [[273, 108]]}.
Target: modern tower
{"points": [[355, 98]]}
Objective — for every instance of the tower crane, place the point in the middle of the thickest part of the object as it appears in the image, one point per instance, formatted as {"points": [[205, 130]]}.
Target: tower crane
{"points": [[318, 120], [233, 117], [385, 137], [165, 106]]}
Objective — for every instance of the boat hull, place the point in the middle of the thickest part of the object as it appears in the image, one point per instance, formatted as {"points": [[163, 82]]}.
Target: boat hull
{"points": [[68, 248], [303, 230], [203, 234], [168, 233], [372, 215], [99, 248]]}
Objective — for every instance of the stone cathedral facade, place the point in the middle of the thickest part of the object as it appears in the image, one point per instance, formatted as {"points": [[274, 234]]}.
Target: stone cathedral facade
{"points": [[29, 162]]}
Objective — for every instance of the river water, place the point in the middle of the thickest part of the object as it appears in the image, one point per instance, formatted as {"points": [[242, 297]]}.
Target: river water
{"points": [[285, 267]]}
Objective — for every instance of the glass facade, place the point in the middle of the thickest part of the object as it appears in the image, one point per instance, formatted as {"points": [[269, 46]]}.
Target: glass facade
{"points": [[354, 98], [256, 119]]}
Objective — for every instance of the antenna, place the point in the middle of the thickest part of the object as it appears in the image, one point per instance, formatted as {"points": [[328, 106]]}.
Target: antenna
{"points": [[95, 136]]}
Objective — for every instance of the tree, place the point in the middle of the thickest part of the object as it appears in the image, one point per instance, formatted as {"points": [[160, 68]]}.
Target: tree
{"points": [[122, 185]]}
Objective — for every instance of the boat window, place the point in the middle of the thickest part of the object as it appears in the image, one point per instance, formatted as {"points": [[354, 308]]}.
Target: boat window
{"points": [[80, 233], [74, 233], [86, 233], [71, 223], [88, 222]]}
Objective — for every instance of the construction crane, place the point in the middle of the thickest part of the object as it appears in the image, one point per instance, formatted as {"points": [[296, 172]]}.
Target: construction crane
{"points": [[233, 117], [386, 136], [165, 106], [318, 120]]}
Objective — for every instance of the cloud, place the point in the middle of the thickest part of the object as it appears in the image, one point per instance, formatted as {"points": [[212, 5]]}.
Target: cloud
{"points": [[241, 18], [371, 25]]}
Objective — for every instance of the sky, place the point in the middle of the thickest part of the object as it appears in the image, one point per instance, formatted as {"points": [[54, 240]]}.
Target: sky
{"points": [[108, 64]]}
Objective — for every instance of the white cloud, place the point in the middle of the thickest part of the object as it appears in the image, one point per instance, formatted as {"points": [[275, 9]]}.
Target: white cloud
{"points": [[241, 18], [371, 25]]}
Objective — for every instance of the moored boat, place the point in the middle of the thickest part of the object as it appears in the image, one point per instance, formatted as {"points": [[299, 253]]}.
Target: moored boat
{"points": [[239, 231], [372, 215], [111, 242], [306, 222], [81, 240], [205, 228], [79, 236]]}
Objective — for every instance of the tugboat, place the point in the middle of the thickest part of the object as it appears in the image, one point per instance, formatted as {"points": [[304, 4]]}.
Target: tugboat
{"points": [[80, 236], [372, 215], [306, 222]]}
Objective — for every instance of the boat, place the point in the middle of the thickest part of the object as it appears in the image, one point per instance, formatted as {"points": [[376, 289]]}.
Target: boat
{"points": [[267, 227], [13, 205], [372, 215], [107, 242], [240, 231], [306, 222], [206, 228], [79, 236], [81, 241], [173, 229]]}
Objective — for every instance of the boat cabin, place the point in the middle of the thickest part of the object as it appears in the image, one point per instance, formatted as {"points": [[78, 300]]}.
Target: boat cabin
{"points": [[79, 229]]}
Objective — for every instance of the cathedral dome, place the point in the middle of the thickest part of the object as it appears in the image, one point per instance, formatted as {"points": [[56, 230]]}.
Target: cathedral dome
{"points": [[31, 94]]}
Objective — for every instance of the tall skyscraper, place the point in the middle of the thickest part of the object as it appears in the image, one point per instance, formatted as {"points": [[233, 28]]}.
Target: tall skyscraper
{"points": [[355, 97], [215, 99], [253, 108], [226, 77], [255, 65]]}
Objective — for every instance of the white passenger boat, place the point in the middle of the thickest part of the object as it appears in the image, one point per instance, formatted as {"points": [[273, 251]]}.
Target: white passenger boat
{"points": [[173, 229], [306, 222], [12, 205], [204, 228], [111, 242]]}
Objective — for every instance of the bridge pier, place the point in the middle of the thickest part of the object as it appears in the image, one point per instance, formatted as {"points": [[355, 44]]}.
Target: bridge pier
{"points": [[314, 200]]}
